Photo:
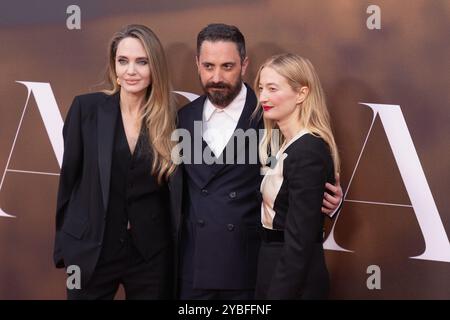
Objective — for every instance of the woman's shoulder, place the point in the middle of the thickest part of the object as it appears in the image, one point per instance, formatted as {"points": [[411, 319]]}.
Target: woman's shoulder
{"points": [[90, 102], [308, 144], [92, 98], [308, 141]]}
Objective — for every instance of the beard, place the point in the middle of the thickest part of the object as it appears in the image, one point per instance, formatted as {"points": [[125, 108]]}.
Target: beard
{"points": [[226, 93]]}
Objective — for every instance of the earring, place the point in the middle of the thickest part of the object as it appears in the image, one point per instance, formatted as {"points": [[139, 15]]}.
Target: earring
{"points": [[118, 81]]}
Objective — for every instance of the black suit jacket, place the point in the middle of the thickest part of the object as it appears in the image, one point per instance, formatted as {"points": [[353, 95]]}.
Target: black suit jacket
{"points": [[221, 212], [300, 271], [84, 186]]}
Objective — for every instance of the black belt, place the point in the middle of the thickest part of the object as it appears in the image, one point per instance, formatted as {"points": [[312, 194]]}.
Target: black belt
{"points": [[268, 235]]}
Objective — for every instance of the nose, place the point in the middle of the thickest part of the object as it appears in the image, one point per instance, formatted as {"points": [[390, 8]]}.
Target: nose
{"points": [[216, 76], [131, 69], [262, 96]]}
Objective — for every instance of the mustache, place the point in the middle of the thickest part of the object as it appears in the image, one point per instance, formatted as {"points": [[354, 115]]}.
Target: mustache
{"points": [[217, 85]]}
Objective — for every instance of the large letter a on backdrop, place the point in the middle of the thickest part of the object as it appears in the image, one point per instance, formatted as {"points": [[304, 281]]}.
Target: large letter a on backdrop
{"points": [[51, 117], [437, 245]]}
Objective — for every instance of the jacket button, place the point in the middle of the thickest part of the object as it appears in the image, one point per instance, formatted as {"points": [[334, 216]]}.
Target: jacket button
{"points": [[230, 227], [200, 222], [99, 243], [232, 195], [205, 191], [122, 240]]}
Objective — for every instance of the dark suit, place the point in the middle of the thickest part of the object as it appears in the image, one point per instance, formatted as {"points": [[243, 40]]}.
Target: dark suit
{"points": [[82, 214], [221, 211]]}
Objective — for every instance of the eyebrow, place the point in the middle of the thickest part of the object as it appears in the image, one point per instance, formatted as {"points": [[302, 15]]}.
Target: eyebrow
{"points": [[269, 84], [222, 64], [138, 58]]}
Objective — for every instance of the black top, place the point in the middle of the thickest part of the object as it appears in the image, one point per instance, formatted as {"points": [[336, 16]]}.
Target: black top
{"points": [[130, 192]]}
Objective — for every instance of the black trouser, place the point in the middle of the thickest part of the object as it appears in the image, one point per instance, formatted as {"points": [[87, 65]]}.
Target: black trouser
{"points": [[316, 285], [269, 253], [141, 279], [188, 292]]}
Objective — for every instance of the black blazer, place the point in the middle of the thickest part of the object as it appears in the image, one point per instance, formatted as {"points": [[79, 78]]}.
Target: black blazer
{"points": [[84, 185], [300, 271], [221, 212]]}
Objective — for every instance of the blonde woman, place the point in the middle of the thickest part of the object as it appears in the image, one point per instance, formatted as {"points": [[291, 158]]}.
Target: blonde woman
{"points": [[113, 215], [291, 262]]}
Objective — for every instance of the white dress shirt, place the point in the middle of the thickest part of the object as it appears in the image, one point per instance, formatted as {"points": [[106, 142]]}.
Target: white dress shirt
{"points": [[219, 124]]}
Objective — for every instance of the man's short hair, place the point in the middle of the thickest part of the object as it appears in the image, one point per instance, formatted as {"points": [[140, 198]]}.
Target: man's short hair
{"points": [[222, 32]]}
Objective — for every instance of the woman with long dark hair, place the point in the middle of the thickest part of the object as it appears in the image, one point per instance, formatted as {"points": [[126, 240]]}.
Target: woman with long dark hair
{"points": [[113, 207]]}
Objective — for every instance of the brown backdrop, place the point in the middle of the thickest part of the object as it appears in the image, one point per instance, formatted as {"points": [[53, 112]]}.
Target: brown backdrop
{"points": [[405, 63]]}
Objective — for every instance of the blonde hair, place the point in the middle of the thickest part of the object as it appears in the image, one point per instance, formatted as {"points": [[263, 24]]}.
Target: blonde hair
{"points": [[159, 110], [314, 116]]}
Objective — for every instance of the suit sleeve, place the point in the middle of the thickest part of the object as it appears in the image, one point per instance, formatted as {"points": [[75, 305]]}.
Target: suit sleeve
{"points": [[70, 171], [306, 174]]}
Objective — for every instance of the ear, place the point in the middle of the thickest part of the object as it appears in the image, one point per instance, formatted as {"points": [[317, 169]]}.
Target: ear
{"points": [[244, 66], [302, 94]]}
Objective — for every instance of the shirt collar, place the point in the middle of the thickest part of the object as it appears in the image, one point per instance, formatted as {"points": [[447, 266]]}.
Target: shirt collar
{"points": [[233, 110]]}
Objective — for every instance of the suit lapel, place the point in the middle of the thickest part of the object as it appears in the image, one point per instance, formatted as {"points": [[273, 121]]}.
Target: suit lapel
{"points": [[245, 121], [199, 171], [175, 184], [106, 126]]}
